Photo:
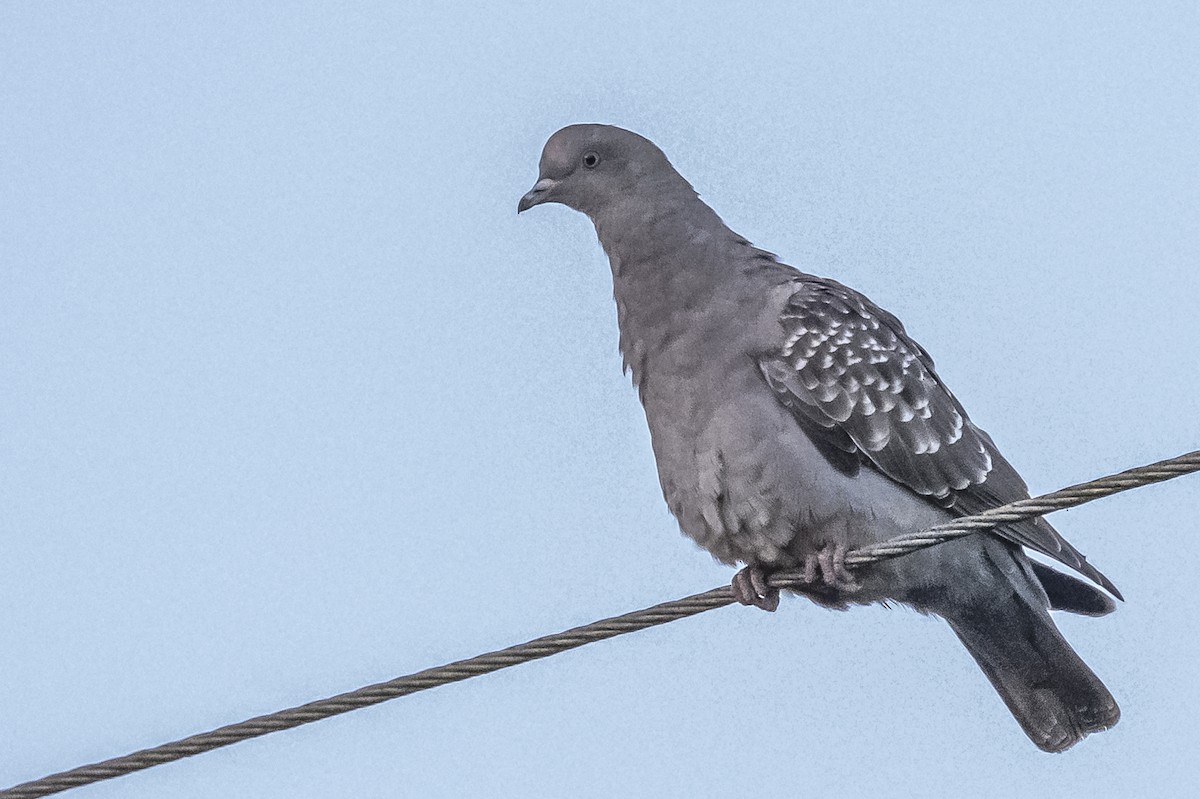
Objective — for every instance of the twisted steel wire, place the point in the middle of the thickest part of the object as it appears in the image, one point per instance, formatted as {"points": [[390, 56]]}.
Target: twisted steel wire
{"points": [[589, 633]]}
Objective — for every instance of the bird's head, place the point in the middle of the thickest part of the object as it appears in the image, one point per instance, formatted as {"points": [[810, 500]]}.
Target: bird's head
{"points": [[592, 167]]}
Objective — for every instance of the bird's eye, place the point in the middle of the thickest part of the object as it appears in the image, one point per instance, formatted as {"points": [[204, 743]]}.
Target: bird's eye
{"points": [[590, 160]]}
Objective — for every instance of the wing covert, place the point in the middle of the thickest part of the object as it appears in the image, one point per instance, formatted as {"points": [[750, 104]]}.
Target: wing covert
{"points": [[867, 393], [847, 367]]}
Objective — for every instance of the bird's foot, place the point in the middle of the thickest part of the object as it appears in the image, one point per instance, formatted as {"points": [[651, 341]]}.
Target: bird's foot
{"points": [[829, 566], [750, 588]]}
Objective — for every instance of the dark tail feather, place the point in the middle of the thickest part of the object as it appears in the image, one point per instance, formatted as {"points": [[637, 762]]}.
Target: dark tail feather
{"points": [[1052, 693], [1074, 596]]}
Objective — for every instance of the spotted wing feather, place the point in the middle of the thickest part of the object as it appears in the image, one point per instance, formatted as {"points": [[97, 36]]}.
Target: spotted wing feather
{"points": [[863, 389]]}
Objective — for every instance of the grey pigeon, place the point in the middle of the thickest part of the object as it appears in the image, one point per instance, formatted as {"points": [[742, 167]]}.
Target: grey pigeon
{"points": [[793, 419]]}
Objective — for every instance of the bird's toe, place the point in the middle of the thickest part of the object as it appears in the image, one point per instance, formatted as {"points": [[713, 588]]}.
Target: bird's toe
{"points": [[750, 587]]}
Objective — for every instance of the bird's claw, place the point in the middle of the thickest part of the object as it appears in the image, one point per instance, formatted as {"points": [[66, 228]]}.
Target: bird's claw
{"points": [[829, 566], [750, 588]]}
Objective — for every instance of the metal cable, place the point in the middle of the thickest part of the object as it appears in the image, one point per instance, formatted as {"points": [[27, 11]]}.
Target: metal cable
{"points": [[588, 633]]}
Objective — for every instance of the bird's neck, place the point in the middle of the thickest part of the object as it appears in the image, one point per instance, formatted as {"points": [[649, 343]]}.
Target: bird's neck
{"points": [[648, 240], [672, 260]]}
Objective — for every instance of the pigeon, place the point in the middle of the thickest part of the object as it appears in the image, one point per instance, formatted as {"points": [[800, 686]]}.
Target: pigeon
{"points": [[792, 420]]}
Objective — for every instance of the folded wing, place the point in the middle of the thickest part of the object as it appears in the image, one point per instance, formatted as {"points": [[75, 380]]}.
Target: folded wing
{"points": [[868, 395]]}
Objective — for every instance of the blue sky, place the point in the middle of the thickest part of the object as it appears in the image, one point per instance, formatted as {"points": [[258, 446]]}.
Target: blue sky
{"points": [[291, 401]]}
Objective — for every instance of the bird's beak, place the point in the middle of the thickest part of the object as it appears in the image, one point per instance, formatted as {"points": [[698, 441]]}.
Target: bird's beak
{"points": [[539, 194]]}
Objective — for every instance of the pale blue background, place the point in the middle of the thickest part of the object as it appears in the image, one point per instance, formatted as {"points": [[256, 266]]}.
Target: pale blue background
{"points": [[292, 401]]}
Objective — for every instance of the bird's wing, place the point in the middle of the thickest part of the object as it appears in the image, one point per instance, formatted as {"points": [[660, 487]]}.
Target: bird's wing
{"points": [[868, 394]]}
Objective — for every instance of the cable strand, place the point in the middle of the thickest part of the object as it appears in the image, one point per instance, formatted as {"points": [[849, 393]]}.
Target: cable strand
{"points": [[548, 645]]}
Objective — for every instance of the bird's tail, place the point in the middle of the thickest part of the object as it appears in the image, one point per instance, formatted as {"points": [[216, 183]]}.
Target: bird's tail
{"points": [[1052, 693]]}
